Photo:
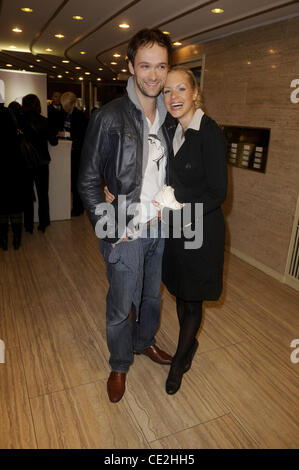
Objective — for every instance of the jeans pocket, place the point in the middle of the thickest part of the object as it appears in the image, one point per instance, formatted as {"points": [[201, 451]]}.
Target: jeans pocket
{"points": [[105, 249]]}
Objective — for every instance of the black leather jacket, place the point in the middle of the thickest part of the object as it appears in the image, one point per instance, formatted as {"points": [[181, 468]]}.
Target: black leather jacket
{"points": [[113, 153]]}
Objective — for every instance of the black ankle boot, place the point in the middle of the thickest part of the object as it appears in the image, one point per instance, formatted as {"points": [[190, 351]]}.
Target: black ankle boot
{"points": [[4, 243], [17, 235], [4, 236], [191, 355], [174, 379]]}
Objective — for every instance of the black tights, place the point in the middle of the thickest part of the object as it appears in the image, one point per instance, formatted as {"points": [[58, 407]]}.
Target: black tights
{"points": [[190, 316]]}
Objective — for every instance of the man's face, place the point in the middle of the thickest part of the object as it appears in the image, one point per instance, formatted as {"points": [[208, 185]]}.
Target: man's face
{"points": [[56, 98], [150, 69]]}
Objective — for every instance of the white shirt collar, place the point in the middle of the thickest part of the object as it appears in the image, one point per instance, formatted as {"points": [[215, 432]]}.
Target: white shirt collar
{"points": [[194, 124]]}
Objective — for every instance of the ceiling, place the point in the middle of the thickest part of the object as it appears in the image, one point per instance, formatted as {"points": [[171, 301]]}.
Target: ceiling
{"points": [[99, 36]]}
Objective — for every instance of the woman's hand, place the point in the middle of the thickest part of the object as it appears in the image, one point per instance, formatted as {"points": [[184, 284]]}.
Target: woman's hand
{"points": [[108, 196]]}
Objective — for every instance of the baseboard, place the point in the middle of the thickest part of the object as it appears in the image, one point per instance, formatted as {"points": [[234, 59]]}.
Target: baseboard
{"points": [[257, 264]]}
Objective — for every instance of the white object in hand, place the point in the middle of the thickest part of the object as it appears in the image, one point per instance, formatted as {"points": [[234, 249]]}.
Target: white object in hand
{"points": [[167, 198]]}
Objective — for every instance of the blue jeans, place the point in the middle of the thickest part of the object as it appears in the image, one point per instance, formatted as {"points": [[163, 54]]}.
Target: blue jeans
{"points": [[125, 337]]}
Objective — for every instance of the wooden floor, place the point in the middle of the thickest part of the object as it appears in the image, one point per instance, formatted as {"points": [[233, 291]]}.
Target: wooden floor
{"points": [[242, 390]]}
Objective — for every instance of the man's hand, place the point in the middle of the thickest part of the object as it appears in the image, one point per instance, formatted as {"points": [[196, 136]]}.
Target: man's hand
{"points": [[160, 207], [108, 196]]}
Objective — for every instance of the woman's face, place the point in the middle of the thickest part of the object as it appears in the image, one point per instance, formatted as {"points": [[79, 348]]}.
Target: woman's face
{"points": [[179, 97]]}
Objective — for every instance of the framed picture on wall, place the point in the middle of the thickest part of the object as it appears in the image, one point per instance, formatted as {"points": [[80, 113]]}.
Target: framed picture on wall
{"points": [[197, 66]]}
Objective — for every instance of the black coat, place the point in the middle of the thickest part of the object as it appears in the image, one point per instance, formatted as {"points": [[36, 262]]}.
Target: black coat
{"points": [[78, 128], [55, 118], [38, 132], [11, 166], [198, 173]]}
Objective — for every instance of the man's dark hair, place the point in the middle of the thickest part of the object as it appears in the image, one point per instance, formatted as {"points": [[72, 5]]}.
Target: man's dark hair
{"points": [[148, 37], [31, 103]]}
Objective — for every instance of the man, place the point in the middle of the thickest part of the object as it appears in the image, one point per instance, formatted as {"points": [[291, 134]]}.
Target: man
{"points": [[74, 125], [55, 113], [123, 149]]}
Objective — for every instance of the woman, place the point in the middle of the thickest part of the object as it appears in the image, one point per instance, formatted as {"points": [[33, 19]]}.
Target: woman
{"points": [[36, 131], [197, 172], [74, 127], [11, 181]]}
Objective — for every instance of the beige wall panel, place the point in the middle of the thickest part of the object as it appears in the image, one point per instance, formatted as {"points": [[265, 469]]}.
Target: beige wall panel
{"points": [[260, 207]]}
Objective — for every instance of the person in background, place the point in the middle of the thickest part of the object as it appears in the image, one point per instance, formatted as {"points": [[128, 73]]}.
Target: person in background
{"points": [[11, 181], [16, 111], [197, 172], [37, 131], [74, 127], [55, 113]]}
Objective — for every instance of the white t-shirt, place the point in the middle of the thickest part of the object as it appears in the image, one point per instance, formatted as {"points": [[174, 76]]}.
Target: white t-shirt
{"points": [[154, 176]]}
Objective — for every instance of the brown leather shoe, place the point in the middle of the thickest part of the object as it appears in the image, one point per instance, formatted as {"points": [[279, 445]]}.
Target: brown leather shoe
{"points": [[116, 386], [157, 355]]}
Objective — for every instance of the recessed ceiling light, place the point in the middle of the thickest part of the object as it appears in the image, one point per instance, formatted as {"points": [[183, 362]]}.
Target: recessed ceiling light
{"points": [[59, 76], [49, 50], [38, 60], [87, 73], [116, 54], [124, 25], [177, 43], [99, 79], [100, 68], [123, 70], [31, 66], [77, 17], [166, 32], [113, 63], [78, 68], [82, 52], [217, 10], [27, 10], [65, 61], [59, 36], [8, 65], [66, 71], [54, 67], [81, 78], [114, 78], [17, 30]]}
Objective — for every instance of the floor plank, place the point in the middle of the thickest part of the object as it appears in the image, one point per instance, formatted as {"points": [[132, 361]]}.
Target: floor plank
{"points": [[83, 417], [16, 423], [220, 433]]}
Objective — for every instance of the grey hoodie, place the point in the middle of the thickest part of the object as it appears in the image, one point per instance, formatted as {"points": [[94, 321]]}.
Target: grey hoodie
{"points": [[162, 115]]}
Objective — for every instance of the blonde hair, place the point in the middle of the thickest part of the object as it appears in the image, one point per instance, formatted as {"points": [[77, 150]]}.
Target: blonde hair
{"points": [[68, 98], [192, 80]]}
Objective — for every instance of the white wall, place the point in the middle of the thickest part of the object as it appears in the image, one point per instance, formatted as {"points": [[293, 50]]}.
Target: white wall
{"points": [[15, 84]]}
